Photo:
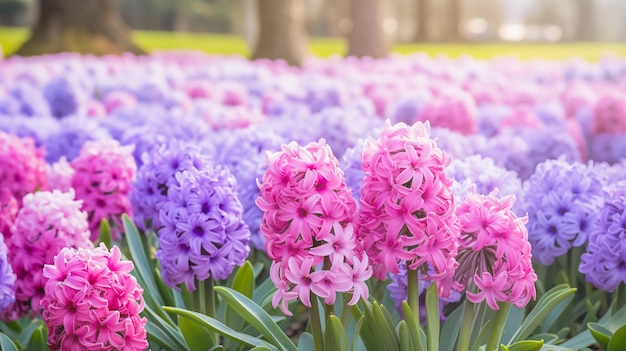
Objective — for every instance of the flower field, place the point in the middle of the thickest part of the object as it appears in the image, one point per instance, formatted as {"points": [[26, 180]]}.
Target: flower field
{"points": [[183, 201]]}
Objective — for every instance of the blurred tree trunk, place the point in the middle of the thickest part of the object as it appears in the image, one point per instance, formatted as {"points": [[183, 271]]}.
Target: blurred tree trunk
{"points": [[452, 23], [84, 26], [423, 15], [367, 37], [586, 21], [282, 33]]}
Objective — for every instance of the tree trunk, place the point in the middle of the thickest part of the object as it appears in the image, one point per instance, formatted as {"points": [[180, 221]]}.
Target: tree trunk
{"points": [[451, 32], [83, 26], [586, 21], [423, 16], [282, 33], [367, 37]]}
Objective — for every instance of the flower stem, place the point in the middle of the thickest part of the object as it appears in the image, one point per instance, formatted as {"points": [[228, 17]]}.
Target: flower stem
{"points": [[621, 297], [210, 298], [316, 324], [493, 343], [345, 311], [202, 297], [413, 294], [463, 342]]}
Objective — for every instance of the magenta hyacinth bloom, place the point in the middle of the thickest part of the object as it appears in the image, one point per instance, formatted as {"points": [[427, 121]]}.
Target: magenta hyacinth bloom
{"points": [[46, 223], [22, 166], [407, 207], [494, 254], [307, 224], [8, 211], [92, 302], [609, 116], [103, 172]]}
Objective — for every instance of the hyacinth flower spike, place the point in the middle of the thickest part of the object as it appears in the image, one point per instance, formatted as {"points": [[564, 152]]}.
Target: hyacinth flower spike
{"points": [[494, 262], [407, 211], [308, 215], [203, 236]]}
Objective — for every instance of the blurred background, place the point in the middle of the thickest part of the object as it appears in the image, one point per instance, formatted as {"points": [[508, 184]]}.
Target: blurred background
{"points": [[235, 26]]}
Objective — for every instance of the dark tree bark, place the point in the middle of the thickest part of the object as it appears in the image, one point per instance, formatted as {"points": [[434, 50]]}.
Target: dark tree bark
{"points": [[423, 15], [282, 33], [367, 37], [83, 26], [586, 21]]}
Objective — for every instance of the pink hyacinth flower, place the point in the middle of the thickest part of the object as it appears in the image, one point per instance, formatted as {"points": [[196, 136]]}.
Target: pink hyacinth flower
{"points": [[92, 302]]}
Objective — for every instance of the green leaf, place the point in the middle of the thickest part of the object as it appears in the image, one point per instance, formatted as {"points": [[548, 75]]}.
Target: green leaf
{"points": [[600, 333], [157, 335], [217, 348], [385, 328], [256, 317], [504, 348], [244, 280], [306, 342], [618, 340], [414, 328], [196, 335], [335, 335], [451, 328], [170, 330], [526, 345], [221, 328], [433, 319], [543, 308], [480, 338], [105, 234], [260, 348], [6, 344], [406, 344], [357, 331], [548, 338], [26, 334], [39, 339], [140, 260]]}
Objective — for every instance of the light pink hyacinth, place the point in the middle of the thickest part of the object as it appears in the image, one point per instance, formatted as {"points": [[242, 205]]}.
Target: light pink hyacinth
{"points": [[46, 223], [103, 172], [407, 208], [307, 223], [454, 109], [22, 166], [60, 175], [494, 255], [92, 302]]}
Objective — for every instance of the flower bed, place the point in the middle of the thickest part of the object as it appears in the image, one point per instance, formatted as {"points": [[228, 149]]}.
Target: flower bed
{"points": [[188, 202]]}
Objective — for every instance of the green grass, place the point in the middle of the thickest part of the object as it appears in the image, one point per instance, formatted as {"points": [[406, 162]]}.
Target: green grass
{"points": [[11, 38]]}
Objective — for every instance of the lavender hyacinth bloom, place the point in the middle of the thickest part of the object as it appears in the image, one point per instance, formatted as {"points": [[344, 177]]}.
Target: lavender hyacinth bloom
{"points": [[562, 201], [204, 235], [521, 149], [7, 278], [71, 134], [351, 164], [604, 262], [63, 96], [482, 173], [609, 148], [243, 152], [157, 174]]}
